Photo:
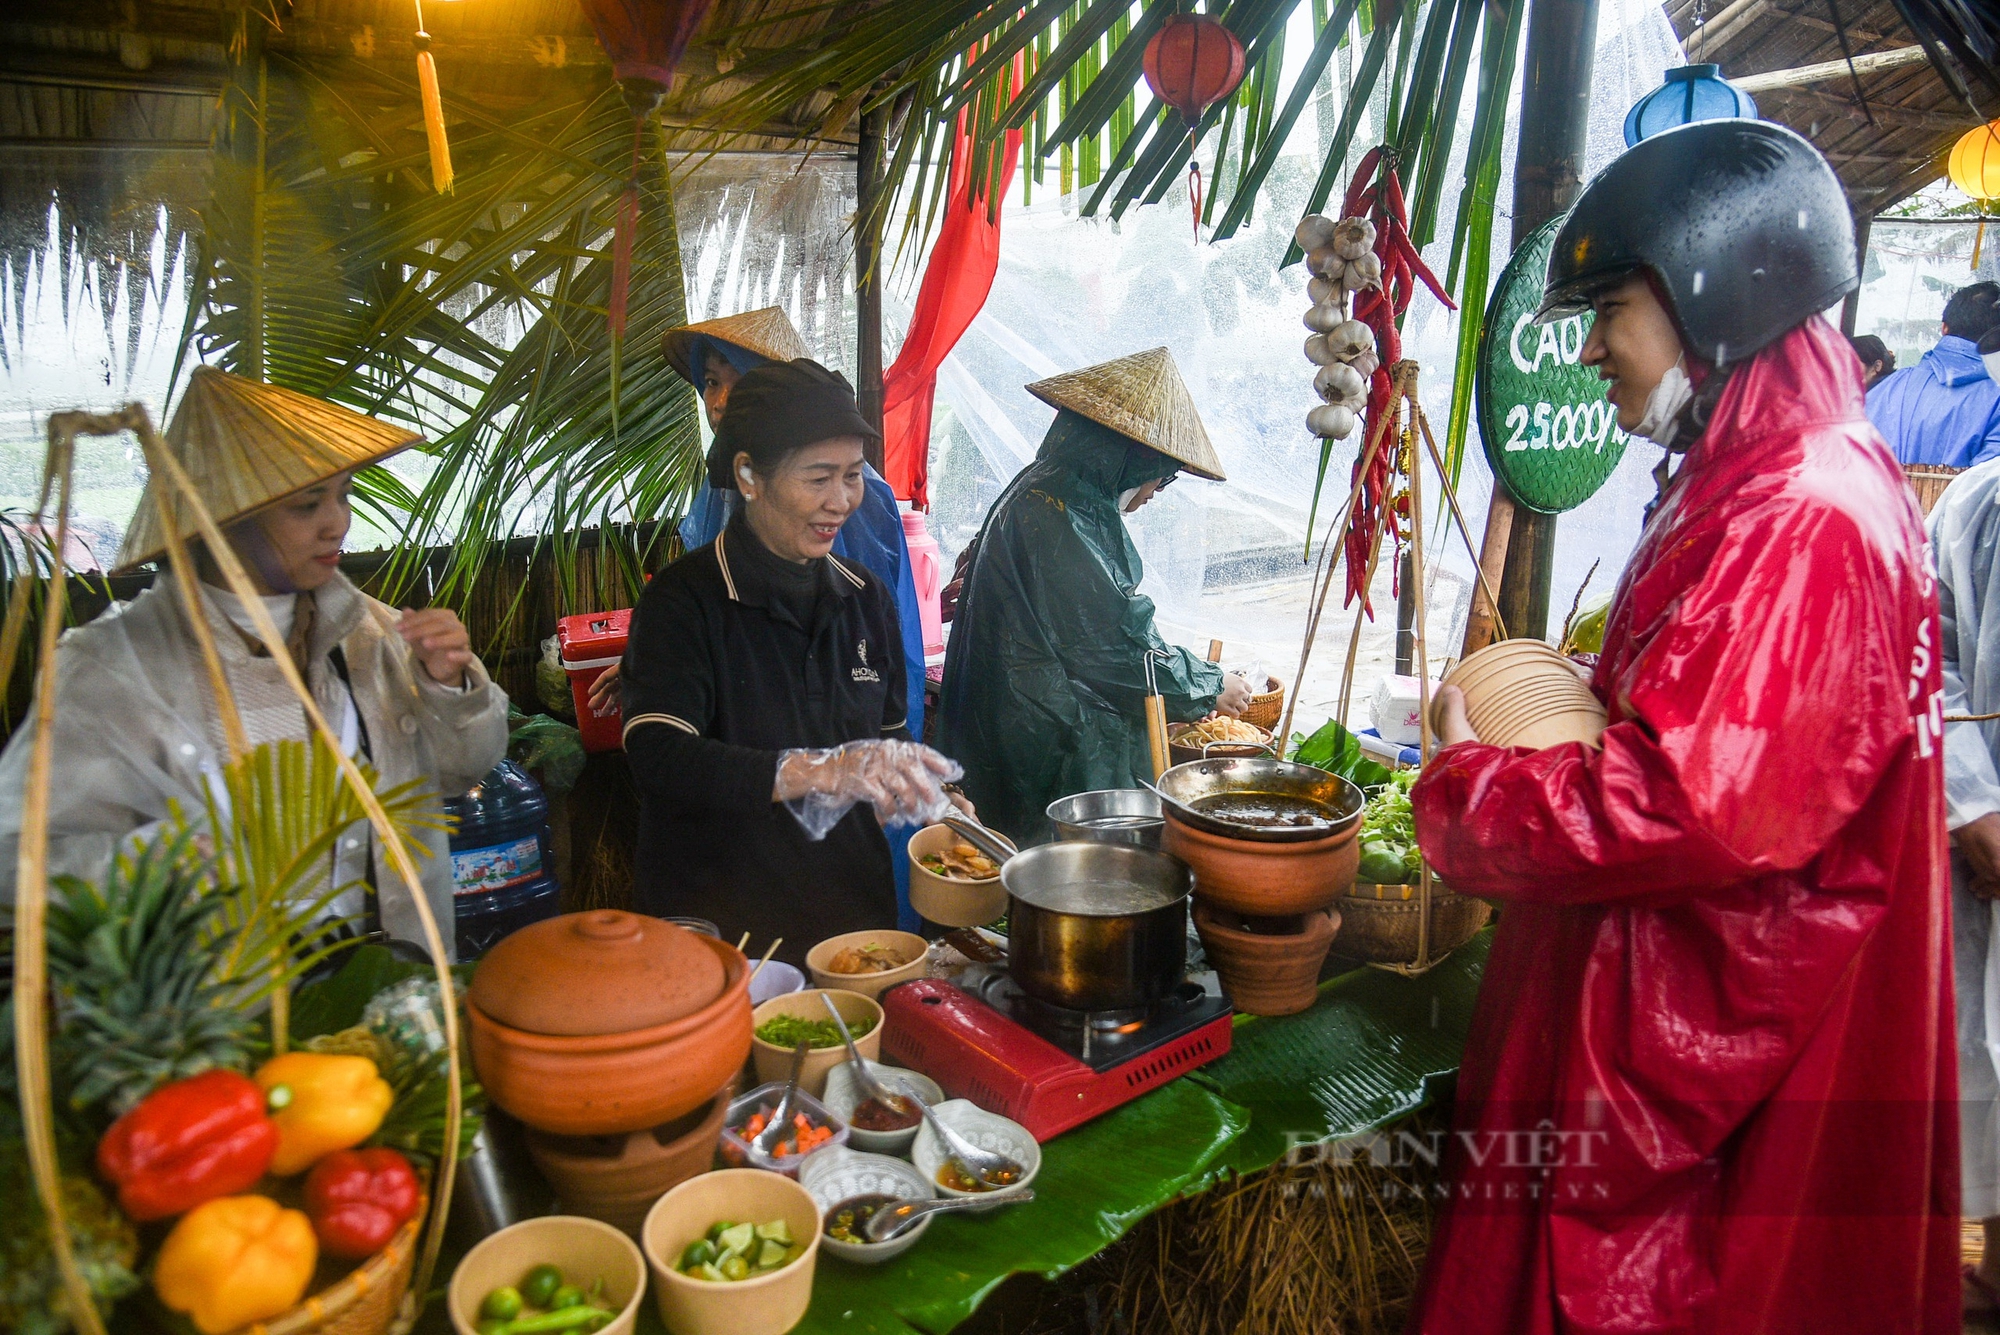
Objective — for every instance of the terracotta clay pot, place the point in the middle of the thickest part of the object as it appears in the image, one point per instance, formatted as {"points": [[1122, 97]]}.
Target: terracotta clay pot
{"points": [[604, 1084], [601, 972], [1274, 972], [616, 1179], [1261, 879]]}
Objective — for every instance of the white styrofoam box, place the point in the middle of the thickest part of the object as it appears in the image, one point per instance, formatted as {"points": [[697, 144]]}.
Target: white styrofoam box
{"points": [[1396, 709]]}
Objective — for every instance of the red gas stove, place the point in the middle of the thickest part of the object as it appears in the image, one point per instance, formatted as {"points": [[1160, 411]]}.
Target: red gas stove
{"points": [[1049, 1069]]}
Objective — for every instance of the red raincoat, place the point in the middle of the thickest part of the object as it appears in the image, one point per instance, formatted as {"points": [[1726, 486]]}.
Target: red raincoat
{"points": [[1710, 1082]]}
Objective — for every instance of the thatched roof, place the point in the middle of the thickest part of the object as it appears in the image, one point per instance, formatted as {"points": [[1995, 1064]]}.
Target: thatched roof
{"points": [[1916, 115]]}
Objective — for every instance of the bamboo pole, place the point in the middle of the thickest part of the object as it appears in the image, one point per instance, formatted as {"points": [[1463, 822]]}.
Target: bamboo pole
{"points": [[31, 899], [1331, 565], [162, 462]]}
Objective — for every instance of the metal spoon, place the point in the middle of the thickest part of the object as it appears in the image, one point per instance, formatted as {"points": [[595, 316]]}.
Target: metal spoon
{"points": [[893, 1220], [773, 1135], [871, 1088], [976, 1163]]}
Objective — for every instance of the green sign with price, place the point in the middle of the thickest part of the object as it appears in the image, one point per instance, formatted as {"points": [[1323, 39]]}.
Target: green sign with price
{"points": [[1550, 434]]}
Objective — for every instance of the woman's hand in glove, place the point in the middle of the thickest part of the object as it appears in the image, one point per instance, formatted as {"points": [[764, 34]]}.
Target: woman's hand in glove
{"points": [[902, 781]]}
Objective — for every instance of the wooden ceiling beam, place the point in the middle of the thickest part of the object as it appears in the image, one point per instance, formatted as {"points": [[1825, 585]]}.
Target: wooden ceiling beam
{"points": [[1885, 113]]}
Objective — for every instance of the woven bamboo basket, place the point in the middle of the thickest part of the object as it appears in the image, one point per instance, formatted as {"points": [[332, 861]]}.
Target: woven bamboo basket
{"points": [[1267, 706], [1380, 924], [373, 1299], [385, 1292], [1928, 481]]}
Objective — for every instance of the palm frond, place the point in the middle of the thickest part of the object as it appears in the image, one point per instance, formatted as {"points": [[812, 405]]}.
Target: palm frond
{"points": [[274, 823]]}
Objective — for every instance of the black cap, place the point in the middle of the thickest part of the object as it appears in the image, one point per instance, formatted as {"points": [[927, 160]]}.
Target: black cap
{"points": [[776, 410], [1743, 223]]}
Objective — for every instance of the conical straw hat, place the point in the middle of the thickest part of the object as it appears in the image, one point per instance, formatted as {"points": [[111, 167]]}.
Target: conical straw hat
{"points": [[246, 444], [765, 332], [1142, 397]]}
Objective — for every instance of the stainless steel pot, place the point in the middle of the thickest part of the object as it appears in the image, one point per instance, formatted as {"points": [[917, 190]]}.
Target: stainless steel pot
{"points": [[1095, 926], [1110, 816], [1183, 787]]}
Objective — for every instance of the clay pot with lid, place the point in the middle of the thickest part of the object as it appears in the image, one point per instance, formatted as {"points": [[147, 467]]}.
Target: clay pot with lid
{"points": [[598, 1023]]}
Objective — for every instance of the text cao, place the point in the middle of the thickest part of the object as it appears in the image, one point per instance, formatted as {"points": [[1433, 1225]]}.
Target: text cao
{"points": [[1549, 426]]}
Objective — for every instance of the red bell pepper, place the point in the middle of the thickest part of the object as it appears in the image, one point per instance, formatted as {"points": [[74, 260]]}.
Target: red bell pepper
{"points": [[188, 1142], [357, 1199]]}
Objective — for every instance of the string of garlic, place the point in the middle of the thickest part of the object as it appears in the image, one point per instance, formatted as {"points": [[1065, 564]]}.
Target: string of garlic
{"points": [[1342, 260]]}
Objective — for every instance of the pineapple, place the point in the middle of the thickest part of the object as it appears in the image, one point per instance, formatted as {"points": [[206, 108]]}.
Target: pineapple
{"points": [[133, 965]]}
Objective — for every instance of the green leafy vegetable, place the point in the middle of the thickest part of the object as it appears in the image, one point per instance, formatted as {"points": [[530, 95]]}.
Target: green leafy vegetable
{"points": [[1388, 834], [1337, 751], [785, 1031]]}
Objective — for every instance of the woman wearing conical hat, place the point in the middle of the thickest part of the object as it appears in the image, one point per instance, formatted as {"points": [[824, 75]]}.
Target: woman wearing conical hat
{"points": [[1045, 677], [136, 728], [712, 356]]}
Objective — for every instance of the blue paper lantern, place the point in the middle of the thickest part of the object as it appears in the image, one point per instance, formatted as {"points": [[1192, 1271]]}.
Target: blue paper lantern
{"points": [[1691, 93]]}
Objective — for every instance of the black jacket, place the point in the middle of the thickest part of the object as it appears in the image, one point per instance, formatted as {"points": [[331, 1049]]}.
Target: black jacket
{"points": [[718, 678]]}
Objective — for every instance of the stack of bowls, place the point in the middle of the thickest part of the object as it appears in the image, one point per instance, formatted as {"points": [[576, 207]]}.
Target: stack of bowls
{"points": [[616, 1039], [1523, 693]]}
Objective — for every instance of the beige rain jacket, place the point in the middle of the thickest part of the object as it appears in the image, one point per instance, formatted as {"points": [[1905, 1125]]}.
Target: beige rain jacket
{"points": [[136, 728]]}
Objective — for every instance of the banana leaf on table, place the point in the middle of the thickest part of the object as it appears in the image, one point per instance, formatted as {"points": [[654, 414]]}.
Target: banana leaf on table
{"points": [[1369, 1051]]}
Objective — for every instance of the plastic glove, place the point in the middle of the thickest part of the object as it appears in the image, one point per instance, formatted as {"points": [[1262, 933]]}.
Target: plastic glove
{"points": [[902, 781]]}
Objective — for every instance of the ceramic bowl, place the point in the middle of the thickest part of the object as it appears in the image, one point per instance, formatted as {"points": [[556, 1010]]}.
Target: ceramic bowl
{"points": [[838, 1174], [989, 1131], [738, 1152], [765, 1305], [843, 1094], [585, 1249], [775, 1063], [947, 900], [909, 944], [605, 1084], [775, 979]]}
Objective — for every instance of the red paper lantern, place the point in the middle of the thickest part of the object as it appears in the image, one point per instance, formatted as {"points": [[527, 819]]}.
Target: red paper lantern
{"points": [[645, 40], [1192, 63]]}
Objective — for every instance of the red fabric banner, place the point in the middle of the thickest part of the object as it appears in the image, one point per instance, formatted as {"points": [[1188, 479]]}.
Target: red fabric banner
{"points": [[956, 281]]}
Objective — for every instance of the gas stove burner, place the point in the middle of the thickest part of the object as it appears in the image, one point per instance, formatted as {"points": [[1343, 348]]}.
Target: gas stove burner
{"points": [[1046, 1067]]}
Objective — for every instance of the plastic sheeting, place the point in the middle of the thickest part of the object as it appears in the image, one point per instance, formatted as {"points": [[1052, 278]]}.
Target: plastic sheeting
{"points": [[1071, 292]]}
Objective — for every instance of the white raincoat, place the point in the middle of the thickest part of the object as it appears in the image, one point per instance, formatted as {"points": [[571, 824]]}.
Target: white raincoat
{"points": [[1965, 541], [136, 729]]}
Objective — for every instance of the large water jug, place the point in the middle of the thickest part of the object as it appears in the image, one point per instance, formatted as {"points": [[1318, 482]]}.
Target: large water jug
{"points": [[502, 864]]}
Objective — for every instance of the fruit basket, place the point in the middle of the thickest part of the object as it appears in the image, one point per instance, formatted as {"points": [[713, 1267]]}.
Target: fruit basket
{"points": [[177, 965]]}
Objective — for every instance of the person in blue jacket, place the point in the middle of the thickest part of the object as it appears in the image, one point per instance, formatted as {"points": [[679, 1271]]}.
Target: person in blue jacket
{"points": [[712, 356], [1945, 410]]}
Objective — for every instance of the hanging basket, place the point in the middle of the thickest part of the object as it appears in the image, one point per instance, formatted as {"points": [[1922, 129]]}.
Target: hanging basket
{"points": [[384, 1292], [1383, 925]]}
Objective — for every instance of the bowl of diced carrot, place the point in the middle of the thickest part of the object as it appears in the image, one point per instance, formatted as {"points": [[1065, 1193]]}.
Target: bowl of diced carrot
{"points": [[813, 1127]]}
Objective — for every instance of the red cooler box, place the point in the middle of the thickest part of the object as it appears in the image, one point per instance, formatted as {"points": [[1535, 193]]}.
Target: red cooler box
{"points": [[589, 644]]}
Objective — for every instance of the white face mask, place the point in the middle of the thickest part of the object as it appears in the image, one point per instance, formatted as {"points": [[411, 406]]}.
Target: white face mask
{"points": [[1664, 404], [1992, 360], [1125, 500]]}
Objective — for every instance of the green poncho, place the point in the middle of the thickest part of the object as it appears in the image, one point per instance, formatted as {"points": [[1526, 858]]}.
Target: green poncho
{"points": [[1045, 680]]}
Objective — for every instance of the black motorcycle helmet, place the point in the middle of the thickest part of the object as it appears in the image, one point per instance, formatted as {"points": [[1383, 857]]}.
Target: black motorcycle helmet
{"points": [[1742, 222]]}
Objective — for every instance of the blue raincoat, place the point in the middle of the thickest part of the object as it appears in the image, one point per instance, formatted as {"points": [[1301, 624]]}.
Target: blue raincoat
{"points": [[1945, 410]]}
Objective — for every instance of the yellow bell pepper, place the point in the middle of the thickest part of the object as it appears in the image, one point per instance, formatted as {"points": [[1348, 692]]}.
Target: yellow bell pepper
{"points": [[321, 1102], [235, 1260]]}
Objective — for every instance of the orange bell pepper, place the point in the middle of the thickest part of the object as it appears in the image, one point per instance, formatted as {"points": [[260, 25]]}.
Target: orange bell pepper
{"points": [[322, 1102], [235, 1260]]}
